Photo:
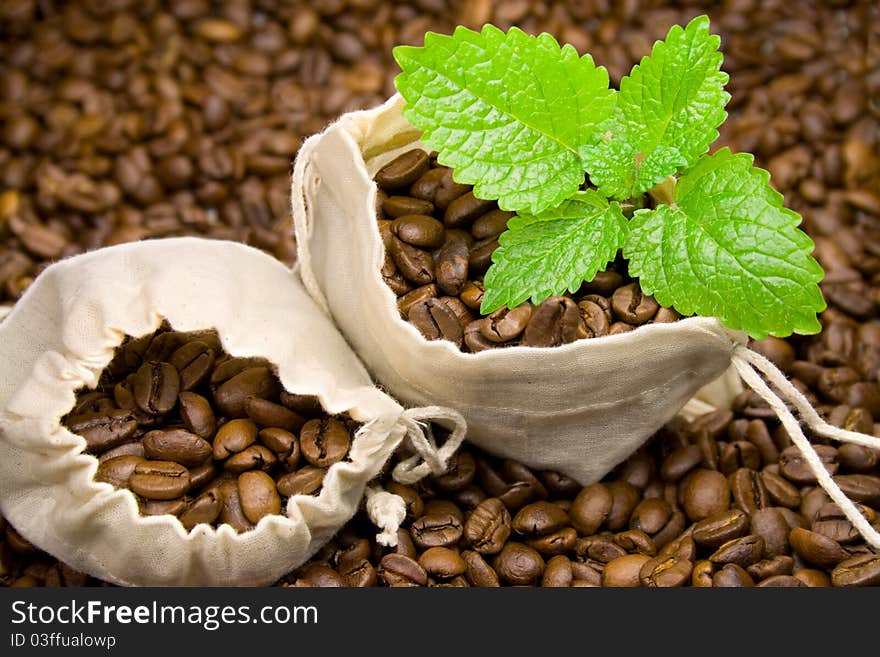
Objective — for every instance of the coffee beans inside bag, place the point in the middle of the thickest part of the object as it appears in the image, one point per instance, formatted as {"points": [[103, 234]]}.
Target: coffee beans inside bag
{"points": [[579, 408], [223, 450]]}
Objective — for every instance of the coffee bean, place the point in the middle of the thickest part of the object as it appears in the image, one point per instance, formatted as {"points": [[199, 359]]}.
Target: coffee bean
{"points": [[436, 530], [780, 564], [780, 491], [452, 265], [258, 495], [178, 445], [254, 457], [635, 540], [194, 362], [204, 509], [539, 518], [117, 470], [705, 492], [403, 170], [518, 564], [399, 206], [231, 512], [743, 551], [558, 542], [721, 527], [159, 480], [860, 570], [265, 413], [794, 467], [702, 575], [860, 487], [770, 525], [416, 265], [435, 321], [780, 581], [155, 387], [409, 299], [442, 562], [162, 507], [197, 414], [624, 571], [465, 208], [231, 396], [553, 323], [478, 572], [732, 575], [324, 442], [398, 570], [557, 572], [748, 491], [591, 508], [418, 230], [233, 437], [650, 515], [472, 294], [480, 256], [132, 448], [460, 472], [504, 324], [812, 577], [664, 572], [305, 481], [103, 431], [491, 224], [680, 462], [856, 457], [631, 306], [816, 548]]}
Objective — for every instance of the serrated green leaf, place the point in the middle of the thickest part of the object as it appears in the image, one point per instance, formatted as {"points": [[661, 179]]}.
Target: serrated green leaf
{"points": [[728, 249], [554, 251], [509, 112], [667, 113]]}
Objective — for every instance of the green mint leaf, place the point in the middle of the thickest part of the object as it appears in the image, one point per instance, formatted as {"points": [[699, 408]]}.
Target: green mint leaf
{"points": [[554, 251], [668, 111], [509, 112], [727, 248]]}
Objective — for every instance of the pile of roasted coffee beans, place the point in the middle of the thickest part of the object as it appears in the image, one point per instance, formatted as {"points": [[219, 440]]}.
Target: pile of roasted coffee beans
{"points": [[803, 77], [198, 434], [439, 240]]}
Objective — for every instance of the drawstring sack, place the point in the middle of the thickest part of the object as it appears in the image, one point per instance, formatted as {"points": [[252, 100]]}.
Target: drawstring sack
{"points": [[63, 332], [581, 408]]}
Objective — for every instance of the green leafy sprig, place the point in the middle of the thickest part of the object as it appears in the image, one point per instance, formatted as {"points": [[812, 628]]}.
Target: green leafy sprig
{"points": [[524, 120]]}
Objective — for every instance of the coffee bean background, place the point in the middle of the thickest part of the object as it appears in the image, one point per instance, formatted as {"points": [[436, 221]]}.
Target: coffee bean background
{"points": [[129, 120]]}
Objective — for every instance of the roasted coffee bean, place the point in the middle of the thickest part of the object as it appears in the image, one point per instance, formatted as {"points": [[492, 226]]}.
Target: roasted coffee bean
{"points": [[721, 527], [773, 567], [816, 548], [324, 442], [359, 574], [452, 269], [539, 518], [743, 551], [254, 457], [593, 320], [436, 530], [435, 321], [442, 562], [780, 491], [231, 396], [202, 474], [860, 570], [132, 448], [194, 362], [680, 462], [409, 299], [779, 581], [258, 495], [702, 575], [265, 413], [197, 414], [465, 208], [665, 572], [416, 265], [748, 491], [305, 481], [705, 492], [159, 480], [155, 387], [478, 572], [460, 472], [231, 512], [283, 443], [732, 575], [403, 170], [860, 487], [856, 457], [399, 206], [518, 564], [635, 540], [553, 323], [625, 497], [418, 230], [400, 570], [491, 224], [558, 542], [631, 306], [591, 508], [488, 526], [794, 467], [233, 437], [118, 470], [504, 324], [176, 445], [162, 507], [557, 573], [205, 509], [472, 294], [624, 570], [650, 515], [102, 431], [771, 526]]}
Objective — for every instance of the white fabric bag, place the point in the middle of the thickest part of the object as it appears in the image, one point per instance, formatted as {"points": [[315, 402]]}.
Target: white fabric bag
{"points": [[581, 408], [63, 332]]}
